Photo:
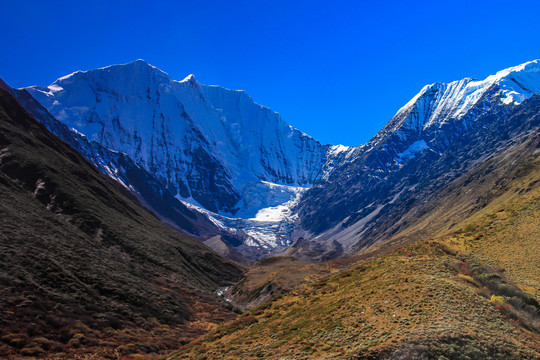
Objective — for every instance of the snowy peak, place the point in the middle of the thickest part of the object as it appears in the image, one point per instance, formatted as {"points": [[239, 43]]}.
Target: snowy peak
{"points": [[520, 82], [210, 146], [440, 103], [529, 67], [190, 79], [137, 68], [446, 130], [128, 78], [241, 164]]}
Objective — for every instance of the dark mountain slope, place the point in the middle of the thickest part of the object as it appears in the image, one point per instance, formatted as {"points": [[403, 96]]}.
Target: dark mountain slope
{"points": [[83, 267], [119, 166], [488, 183]]}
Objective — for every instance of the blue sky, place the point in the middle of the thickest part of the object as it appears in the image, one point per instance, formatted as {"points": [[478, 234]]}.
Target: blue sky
{"points": [[337, 70]]}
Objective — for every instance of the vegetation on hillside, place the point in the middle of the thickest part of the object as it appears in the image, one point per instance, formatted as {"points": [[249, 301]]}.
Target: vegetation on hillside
{"points": [[412, 303], [84, 269]]}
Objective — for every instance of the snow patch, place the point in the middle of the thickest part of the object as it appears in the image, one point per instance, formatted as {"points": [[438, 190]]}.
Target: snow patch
{"points": [[415, 148], [267, 227], [338, 149], [189, 78], [55, 88]]}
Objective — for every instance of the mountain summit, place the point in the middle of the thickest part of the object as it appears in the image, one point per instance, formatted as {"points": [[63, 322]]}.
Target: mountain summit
{"points": [[211, 147], [438, 103], [190, 78]]}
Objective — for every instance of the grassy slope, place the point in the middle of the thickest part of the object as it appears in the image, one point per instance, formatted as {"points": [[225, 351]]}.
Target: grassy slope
{"points": [[406, 303], [272, 277], [491, 212], [429, 298], [506, 234], [278, 275], [83, 267]]}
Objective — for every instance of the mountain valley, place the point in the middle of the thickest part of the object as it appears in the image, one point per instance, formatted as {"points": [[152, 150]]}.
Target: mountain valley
{"points": [[266, 193], [147, 217], [468, 293]]}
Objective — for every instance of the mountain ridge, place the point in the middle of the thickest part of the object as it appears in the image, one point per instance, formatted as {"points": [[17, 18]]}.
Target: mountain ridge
{"points": [[211, 147], [259, 191], [412, 156]]}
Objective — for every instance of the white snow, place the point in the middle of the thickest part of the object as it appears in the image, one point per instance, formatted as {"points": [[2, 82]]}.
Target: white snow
{"points": [[269, 226], [415, 148], [188, 78], [55, 88], [281, 210], [172, 129], [436, 104], [338, 149]]}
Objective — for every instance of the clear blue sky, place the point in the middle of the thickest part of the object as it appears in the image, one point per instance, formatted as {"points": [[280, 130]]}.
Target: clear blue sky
{"points": [[337, 70]]}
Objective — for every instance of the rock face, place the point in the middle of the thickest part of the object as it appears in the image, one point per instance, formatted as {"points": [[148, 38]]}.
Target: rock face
{"points": [[444, 131], [132, 176]]}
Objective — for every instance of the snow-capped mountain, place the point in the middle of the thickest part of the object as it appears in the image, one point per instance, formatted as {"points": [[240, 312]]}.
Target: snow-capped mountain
{"points": [[211, 147], [253, 176], [439, 104], [444, 131]]}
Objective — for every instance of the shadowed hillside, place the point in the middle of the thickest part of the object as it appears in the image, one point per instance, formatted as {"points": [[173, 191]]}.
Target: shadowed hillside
{"points": [[83, 267]]}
